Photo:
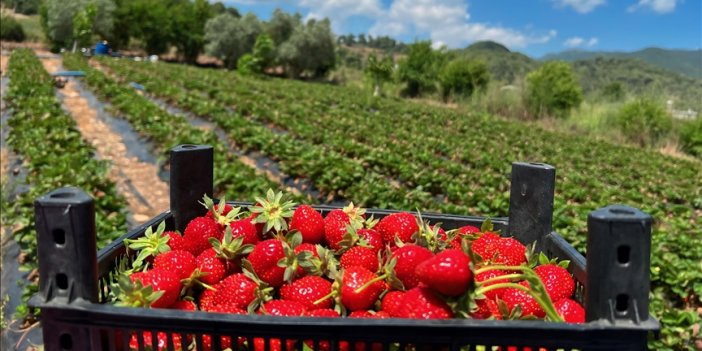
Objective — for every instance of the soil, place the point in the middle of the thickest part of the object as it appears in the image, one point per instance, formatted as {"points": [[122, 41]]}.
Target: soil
{"points": [[138, 181]]}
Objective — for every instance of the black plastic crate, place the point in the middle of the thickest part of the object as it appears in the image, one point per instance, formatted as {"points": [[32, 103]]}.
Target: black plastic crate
{"points": [[613, 283]]}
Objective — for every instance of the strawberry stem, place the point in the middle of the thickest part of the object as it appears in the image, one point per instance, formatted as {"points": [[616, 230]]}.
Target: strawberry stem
{"points": [[370, 282]]}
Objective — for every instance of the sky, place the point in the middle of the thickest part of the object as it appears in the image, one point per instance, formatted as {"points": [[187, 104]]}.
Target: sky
{"points": [[534, 27]]}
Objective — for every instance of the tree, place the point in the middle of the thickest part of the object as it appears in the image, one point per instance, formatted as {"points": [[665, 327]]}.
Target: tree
{"points": [[11, 29], [188, 27], [419, 69], [463, 77], [229, 37], [379, 71], [260, 58], [613, 91], [83, 26], [59, 15], [25, 7], [282, 25], [644, 121], [552, 90], [313, 37]]}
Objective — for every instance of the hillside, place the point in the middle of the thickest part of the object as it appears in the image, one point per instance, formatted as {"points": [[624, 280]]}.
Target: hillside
{"points": [[685, 62], [639, 78], [505, 65]]}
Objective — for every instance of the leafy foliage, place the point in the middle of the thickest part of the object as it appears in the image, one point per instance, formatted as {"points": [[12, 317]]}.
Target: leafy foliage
{"points": [[60, 14], [644, 121], [552, 90], [379, 71], [419, 70], [229, 37], [11, 29], [313, 37], [691, 136], [462, 77]]}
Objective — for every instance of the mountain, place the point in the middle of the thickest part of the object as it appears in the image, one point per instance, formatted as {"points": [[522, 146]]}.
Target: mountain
{"points": [[685, 62], [505, 65]]}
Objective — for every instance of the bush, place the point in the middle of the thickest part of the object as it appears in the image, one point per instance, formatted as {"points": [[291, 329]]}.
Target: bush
{"points": [[11, 30], [462, 77], [691, 136], [613, 91], [553, 90], [419, 70], [643, 121]]}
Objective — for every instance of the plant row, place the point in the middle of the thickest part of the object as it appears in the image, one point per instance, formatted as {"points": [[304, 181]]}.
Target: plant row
{"points": [[54, 155]]}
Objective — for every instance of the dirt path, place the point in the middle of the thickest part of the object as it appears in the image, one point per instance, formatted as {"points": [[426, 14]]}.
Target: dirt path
{"points": [[147, 195]]}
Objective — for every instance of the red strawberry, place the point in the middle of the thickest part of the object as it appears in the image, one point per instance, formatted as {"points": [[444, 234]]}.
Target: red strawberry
{"points": [[223, 212], [486, 245], [369, 314], [354, 278], [179, 261], [400, 225], [334, 232], [283, 308], [510, 252], [557, 281], [264, 259], [225, 341], [198, 233], [570, 310], [372, 238], [422, 303], [273, 344], [513, 297], [307, 291], [408, 257], [392, 301], [244, 228], [309, 223], [461, 233], [360, 256], [184, 305], [175, 240], [212, 267], [207, 299], [337, 214], [146, 341], [236, 290], [312, 249], [160, 280], [483, 276], [486, 308], [322, 313], [447, 273]]}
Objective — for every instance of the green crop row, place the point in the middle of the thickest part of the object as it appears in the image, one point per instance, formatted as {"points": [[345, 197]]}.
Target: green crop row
{"points": [[54, 155], [232, 177], [590, 174]]}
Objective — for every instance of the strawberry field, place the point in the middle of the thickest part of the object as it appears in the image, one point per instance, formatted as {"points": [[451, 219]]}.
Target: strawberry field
{"points": [[378, 153]]}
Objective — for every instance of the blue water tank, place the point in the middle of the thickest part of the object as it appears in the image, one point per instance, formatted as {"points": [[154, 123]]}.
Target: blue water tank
{"points": [[101, 48]]}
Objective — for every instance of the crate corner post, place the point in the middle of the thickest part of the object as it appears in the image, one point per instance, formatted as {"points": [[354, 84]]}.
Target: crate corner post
{"points": [[191, 177], [68, 273], [532, 191]]}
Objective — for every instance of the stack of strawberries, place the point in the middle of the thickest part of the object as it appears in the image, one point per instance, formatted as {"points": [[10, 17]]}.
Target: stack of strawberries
{"points": [[276, 258]]}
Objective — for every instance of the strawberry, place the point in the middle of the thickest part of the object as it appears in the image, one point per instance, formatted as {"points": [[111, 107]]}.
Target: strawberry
{"points": [[372, 238], [360, 288], [179, 261], [150, 245], [392, 301], [514, 297], [159, 280], [244, 228], [237, 290], [360, 256], [461, 233], [447, 273], [309, 223], [408, 257], [334, 231], [483, 276], [307, 291], [175, 240], [212, 268], [207, 302], [369, 314], [486, 308], [283, 308], [570, 310], [224, 341], [147, 342], [324, 345], [422, 303], [312, 249], [184, 305], [261, 344], [322, 313], [400, 225], [510, 252], [337, 214], [557, 281], [486, 245], [264, 260], [198, 233], [361, 237]]}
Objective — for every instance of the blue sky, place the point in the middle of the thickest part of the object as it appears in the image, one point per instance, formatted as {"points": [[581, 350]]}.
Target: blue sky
{"points": [[534, 27]]}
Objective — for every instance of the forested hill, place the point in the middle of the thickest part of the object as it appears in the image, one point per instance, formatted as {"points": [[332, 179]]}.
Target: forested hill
{"points": [[685, 62]]}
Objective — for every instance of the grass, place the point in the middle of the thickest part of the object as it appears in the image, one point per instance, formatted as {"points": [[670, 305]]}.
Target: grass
{"points": [[30, 24]]}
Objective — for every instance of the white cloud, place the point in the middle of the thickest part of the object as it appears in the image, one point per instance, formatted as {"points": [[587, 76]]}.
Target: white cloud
{"points": [[447, 22], [659, 6], [582, 6], [575, 42]]}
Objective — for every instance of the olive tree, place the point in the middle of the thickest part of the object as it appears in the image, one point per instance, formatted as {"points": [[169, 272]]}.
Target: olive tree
{"points": [[552, 90], [228, 37]]}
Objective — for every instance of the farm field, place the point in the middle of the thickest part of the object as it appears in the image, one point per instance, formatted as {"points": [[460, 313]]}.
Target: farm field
{"points": [[330, 144]]}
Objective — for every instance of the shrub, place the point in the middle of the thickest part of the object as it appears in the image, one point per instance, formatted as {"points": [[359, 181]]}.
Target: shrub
{"points": [[613, 91], [462, 77], [643, 121], [11, 30], [419, 70], [552, 90], [691, 136]]}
